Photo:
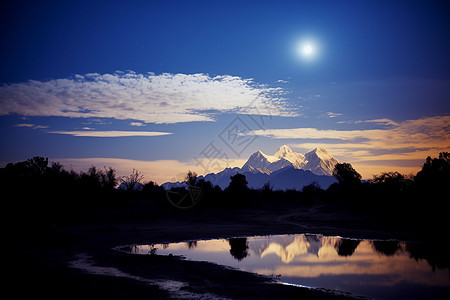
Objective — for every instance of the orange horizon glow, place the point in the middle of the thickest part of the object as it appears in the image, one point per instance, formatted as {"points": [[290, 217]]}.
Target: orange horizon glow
{"points": [[161, 171]]}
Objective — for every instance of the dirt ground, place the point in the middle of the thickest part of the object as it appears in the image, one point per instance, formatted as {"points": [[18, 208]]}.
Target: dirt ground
{"points": [[76, 259]]}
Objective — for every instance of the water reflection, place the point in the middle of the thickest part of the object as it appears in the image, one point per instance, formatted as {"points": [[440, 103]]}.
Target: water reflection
{"points": [[379, 269], [192, 244], [238, 248], [346, 247], [388, 248]]}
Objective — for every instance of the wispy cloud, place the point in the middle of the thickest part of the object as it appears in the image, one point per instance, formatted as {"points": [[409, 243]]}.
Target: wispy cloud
{"points": [[393, 142], [330, 115], [33, 126], [138, 124], [376, 121], [380, 122], [333, 115], [111, 133], [25, 125], [282, 81], [150, 98]]}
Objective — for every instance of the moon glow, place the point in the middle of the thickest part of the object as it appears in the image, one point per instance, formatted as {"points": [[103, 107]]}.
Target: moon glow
{"points": [[307, 50]]}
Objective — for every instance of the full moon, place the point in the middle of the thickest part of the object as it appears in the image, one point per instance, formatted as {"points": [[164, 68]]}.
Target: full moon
{"points": [[307, 49]]}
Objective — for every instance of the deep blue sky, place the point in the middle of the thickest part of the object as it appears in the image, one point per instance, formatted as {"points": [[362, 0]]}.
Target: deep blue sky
{"points": [[359, 40], [371, 60]]}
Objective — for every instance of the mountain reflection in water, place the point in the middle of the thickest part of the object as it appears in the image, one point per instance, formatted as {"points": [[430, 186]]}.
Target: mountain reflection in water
{"points": [[379, 269]]}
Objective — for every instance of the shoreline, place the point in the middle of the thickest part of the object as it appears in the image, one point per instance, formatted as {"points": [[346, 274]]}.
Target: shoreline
{"points": [[45, 265]]}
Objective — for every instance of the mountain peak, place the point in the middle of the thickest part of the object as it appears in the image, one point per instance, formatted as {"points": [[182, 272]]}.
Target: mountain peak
{"points": [[259, 162], [320, 161], [283, 151], [319, 152]]}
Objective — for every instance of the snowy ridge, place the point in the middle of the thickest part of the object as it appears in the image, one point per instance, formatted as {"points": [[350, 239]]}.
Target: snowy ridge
{"points": [[285, 169], [318, 161], [297, 159]]}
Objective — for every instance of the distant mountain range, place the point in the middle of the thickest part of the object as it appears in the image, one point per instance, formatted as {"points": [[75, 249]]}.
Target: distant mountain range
{"points": [[318, 161], [285, 169]]}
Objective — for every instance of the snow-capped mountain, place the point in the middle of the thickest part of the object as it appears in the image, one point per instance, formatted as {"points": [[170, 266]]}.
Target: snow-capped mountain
{"points": [[297, 159], [318, 161], [285, 169], [260, 162]]}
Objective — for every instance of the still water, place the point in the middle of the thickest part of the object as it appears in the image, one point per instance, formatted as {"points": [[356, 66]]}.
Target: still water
{"points": [[369, 268]]}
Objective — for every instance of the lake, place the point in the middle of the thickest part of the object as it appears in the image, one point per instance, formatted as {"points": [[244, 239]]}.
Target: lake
{"points": [[380, 269]]}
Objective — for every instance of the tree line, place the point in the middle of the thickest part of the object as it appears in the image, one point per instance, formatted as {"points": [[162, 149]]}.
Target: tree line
{"points": [[35, 185]]}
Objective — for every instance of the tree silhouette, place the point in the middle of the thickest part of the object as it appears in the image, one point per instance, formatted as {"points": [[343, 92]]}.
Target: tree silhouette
{"points": [[108, 178], [311, 192], [37, 165], [435, 173], [391, 182], [191, 178], [431, 184], [91, 179], [346, 175], [152, 188], [238, 184], [131, 182]]}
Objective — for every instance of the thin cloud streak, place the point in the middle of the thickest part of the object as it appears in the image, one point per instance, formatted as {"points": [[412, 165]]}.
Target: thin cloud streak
{"points": [[149, 98], [111, 133], [33, 126]]}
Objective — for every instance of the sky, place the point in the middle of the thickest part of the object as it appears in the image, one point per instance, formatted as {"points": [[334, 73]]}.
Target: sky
{"points": [[170, 86]]}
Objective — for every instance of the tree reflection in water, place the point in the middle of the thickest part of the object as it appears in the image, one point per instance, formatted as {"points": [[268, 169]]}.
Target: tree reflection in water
{"points": [[191, 244], [346, 247], [239, 248], [388, 248]]}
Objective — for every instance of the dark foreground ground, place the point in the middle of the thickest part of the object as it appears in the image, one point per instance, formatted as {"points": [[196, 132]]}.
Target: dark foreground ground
{"points": [[75, 259]]}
